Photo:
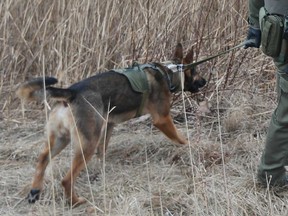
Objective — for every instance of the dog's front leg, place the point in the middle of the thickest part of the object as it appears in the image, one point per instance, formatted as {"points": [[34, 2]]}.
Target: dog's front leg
{"points": [[166, 125]]}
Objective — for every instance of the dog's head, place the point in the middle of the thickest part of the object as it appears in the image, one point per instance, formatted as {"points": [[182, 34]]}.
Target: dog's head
{"points": [[193, 81]]}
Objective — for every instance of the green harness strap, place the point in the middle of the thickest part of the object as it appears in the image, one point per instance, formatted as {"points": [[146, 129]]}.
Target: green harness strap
{"points": [[138, 80], [136, 76]]}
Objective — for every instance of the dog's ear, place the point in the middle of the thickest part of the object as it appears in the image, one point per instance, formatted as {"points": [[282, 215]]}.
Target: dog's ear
{"points": [[178, 54], [189, 57]]}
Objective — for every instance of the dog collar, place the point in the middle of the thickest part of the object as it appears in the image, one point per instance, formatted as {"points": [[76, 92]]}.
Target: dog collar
{"points": [[175, 68]]}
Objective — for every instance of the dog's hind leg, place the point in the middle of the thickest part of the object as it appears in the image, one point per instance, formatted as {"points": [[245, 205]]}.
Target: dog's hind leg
{"points": [[105, 138], [86, 137], [82, 156], [166, 125], [54, 146]]}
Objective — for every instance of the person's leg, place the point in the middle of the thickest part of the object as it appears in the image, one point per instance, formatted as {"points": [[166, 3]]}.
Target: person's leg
{"points": [[275, 155]]}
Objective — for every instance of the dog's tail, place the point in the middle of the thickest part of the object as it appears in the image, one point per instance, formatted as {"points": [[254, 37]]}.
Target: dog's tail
{"points": [[34, 90]]}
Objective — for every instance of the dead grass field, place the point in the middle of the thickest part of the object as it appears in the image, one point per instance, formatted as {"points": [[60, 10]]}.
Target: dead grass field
{"points": [[144, 173]]}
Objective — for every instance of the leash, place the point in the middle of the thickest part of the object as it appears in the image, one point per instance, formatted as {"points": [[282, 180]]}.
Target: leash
{"points": [[180, 67]]}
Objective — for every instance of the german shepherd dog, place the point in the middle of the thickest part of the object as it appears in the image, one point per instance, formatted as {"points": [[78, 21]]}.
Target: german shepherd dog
{"points": [[86, 113]]}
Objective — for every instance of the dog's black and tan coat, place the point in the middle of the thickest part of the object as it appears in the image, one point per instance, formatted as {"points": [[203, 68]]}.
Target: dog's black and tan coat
{"points": [[90, 108]]}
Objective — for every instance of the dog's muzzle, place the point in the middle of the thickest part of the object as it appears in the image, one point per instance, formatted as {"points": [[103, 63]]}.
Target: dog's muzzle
{"points": [[196, 85]]}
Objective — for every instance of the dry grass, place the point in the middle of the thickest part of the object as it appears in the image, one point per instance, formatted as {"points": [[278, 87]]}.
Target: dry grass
{"points": [[145, 174]]}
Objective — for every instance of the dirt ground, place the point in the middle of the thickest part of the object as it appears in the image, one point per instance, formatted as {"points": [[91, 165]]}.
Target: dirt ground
{"points": [[144, 173]]}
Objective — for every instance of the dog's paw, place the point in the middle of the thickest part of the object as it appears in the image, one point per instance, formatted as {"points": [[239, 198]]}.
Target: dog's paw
{"points": [[33, 196], [79, 201]]}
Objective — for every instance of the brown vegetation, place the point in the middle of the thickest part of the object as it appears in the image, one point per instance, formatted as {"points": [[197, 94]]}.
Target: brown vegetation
{"points": [[144, 173]]}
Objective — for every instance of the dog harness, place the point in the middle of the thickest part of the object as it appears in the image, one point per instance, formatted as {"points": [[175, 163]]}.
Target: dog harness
{"points": [[139, 82], [136, 76]]}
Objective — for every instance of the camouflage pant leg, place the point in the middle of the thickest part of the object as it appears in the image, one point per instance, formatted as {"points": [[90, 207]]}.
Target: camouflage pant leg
{"points": [[275, 155]]}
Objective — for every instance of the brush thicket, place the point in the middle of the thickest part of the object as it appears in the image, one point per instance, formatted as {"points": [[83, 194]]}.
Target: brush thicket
{"points": [[145, 174]]}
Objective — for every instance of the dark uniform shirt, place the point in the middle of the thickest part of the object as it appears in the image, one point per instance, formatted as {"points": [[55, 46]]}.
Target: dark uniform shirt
{"points": [[277, 6], [272, 6]]}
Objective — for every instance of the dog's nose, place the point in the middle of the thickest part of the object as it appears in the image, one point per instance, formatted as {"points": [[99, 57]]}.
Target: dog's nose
{"points": [[204, 82], [201, 83]]}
